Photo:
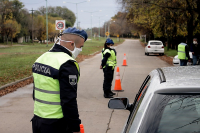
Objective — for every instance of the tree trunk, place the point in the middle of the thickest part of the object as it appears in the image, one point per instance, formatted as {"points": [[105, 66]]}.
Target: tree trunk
{"points": [[174, 33], [168, 41], [190, 23], [2, 38], [11, 38], [190, 30], [6, 39]]}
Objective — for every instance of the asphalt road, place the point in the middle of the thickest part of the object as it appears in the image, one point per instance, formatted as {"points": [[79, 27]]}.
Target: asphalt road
{"points": [[16, 109]]}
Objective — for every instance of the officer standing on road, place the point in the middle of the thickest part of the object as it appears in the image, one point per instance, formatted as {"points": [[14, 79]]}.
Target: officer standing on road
{"points": [[108, 65], [56, 74], [183, 54], [195, 49]]}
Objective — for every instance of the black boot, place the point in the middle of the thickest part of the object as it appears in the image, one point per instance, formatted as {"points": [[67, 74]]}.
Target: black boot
{"points": [[108, 96], [111, 93]]}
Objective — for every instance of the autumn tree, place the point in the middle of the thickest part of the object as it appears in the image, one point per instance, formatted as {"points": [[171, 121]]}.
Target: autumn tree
{"points": [[52, 31], [5, 14], [120, 26], [41, 28], [13, 12], [58, 11], [21, 16], [26, 23], [164, 18], [11, 28], [10, 10]]}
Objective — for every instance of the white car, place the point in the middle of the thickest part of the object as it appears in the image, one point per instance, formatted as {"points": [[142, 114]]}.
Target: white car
{"points": [[168, 101], [154, 47], [177, 61]]}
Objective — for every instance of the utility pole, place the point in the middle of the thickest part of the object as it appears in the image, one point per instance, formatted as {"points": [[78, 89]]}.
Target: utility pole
{"points": [[77, 14], [91, 26], [77, 9], [99, 28], [109, 29], [79, 25], [32, 24], [47, 23], [105, 29], [91, 19]]}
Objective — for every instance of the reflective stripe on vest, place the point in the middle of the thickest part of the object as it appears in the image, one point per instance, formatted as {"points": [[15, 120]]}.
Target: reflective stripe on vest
{"points": [[45, 102], [181, 51], [112, 59], [47, 89]]}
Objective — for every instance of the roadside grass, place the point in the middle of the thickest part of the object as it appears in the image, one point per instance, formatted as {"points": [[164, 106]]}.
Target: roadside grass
{"points": [[170, 52], [23, 43], [16, 61]]}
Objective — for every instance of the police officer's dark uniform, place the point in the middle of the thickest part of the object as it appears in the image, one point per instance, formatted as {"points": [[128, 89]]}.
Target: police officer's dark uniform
{"points": [[195, 49], [56, 75], [108, 65]]}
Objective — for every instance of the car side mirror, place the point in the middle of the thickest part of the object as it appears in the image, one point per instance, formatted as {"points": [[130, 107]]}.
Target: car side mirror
{"points": [[119, 103]]}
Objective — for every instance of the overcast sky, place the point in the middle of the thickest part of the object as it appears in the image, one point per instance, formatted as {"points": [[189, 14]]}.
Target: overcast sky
{"points": [[109, 8]]}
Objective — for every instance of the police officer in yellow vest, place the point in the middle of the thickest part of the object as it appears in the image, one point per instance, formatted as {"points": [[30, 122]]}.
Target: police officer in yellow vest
{"points": [[56, 74], [183, 54], [108, 65]]}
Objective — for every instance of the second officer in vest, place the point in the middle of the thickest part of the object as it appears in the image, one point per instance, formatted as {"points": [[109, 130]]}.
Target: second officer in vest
{"points": [[56, 74], [183, 54], [108, 65]]}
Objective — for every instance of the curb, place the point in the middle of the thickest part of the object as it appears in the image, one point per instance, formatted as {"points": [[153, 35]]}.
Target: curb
{"points": [[13, 83]]}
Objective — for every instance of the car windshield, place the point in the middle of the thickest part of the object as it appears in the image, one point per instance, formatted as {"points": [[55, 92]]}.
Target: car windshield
{"points": [[172, 114], [155, 43]]}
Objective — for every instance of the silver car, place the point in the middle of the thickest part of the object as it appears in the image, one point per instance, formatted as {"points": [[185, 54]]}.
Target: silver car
{"points": [[154, 47], [167, 102]]}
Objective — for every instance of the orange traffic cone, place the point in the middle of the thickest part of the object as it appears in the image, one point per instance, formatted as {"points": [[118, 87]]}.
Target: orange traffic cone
{"points": [[124, 60], [118, 82], [81, 128]]}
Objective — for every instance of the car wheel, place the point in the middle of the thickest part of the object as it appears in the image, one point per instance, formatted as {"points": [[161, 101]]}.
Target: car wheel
{"points": [[147, 54]]}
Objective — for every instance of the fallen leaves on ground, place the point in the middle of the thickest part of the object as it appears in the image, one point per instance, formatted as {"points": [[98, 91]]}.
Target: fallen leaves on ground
{"points": [[15, 87]]}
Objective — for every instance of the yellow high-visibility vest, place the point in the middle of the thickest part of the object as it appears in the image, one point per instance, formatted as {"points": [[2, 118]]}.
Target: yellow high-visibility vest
{"points": [[46, 85], [181, 51]]}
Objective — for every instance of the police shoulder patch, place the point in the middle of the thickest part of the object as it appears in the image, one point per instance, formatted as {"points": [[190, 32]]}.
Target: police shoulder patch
{"points": [[73, 79]]}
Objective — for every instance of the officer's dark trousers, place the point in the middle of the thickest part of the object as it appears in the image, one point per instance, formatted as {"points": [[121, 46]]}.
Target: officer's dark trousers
{"points": [[108, 78], [183, 62], [40, 125]]}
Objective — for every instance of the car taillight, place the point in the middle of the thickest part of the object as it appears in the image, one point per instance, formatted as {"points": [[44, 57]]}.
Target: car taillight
{"points": [[162, 46], [149, 46]]}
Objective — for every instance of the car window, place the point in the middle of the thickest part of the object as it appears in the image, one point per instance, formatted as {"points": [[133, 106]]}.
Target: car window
{"points": [[155, 43], [142, 88], [172, 114], [132, 127], [137, 103]]}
